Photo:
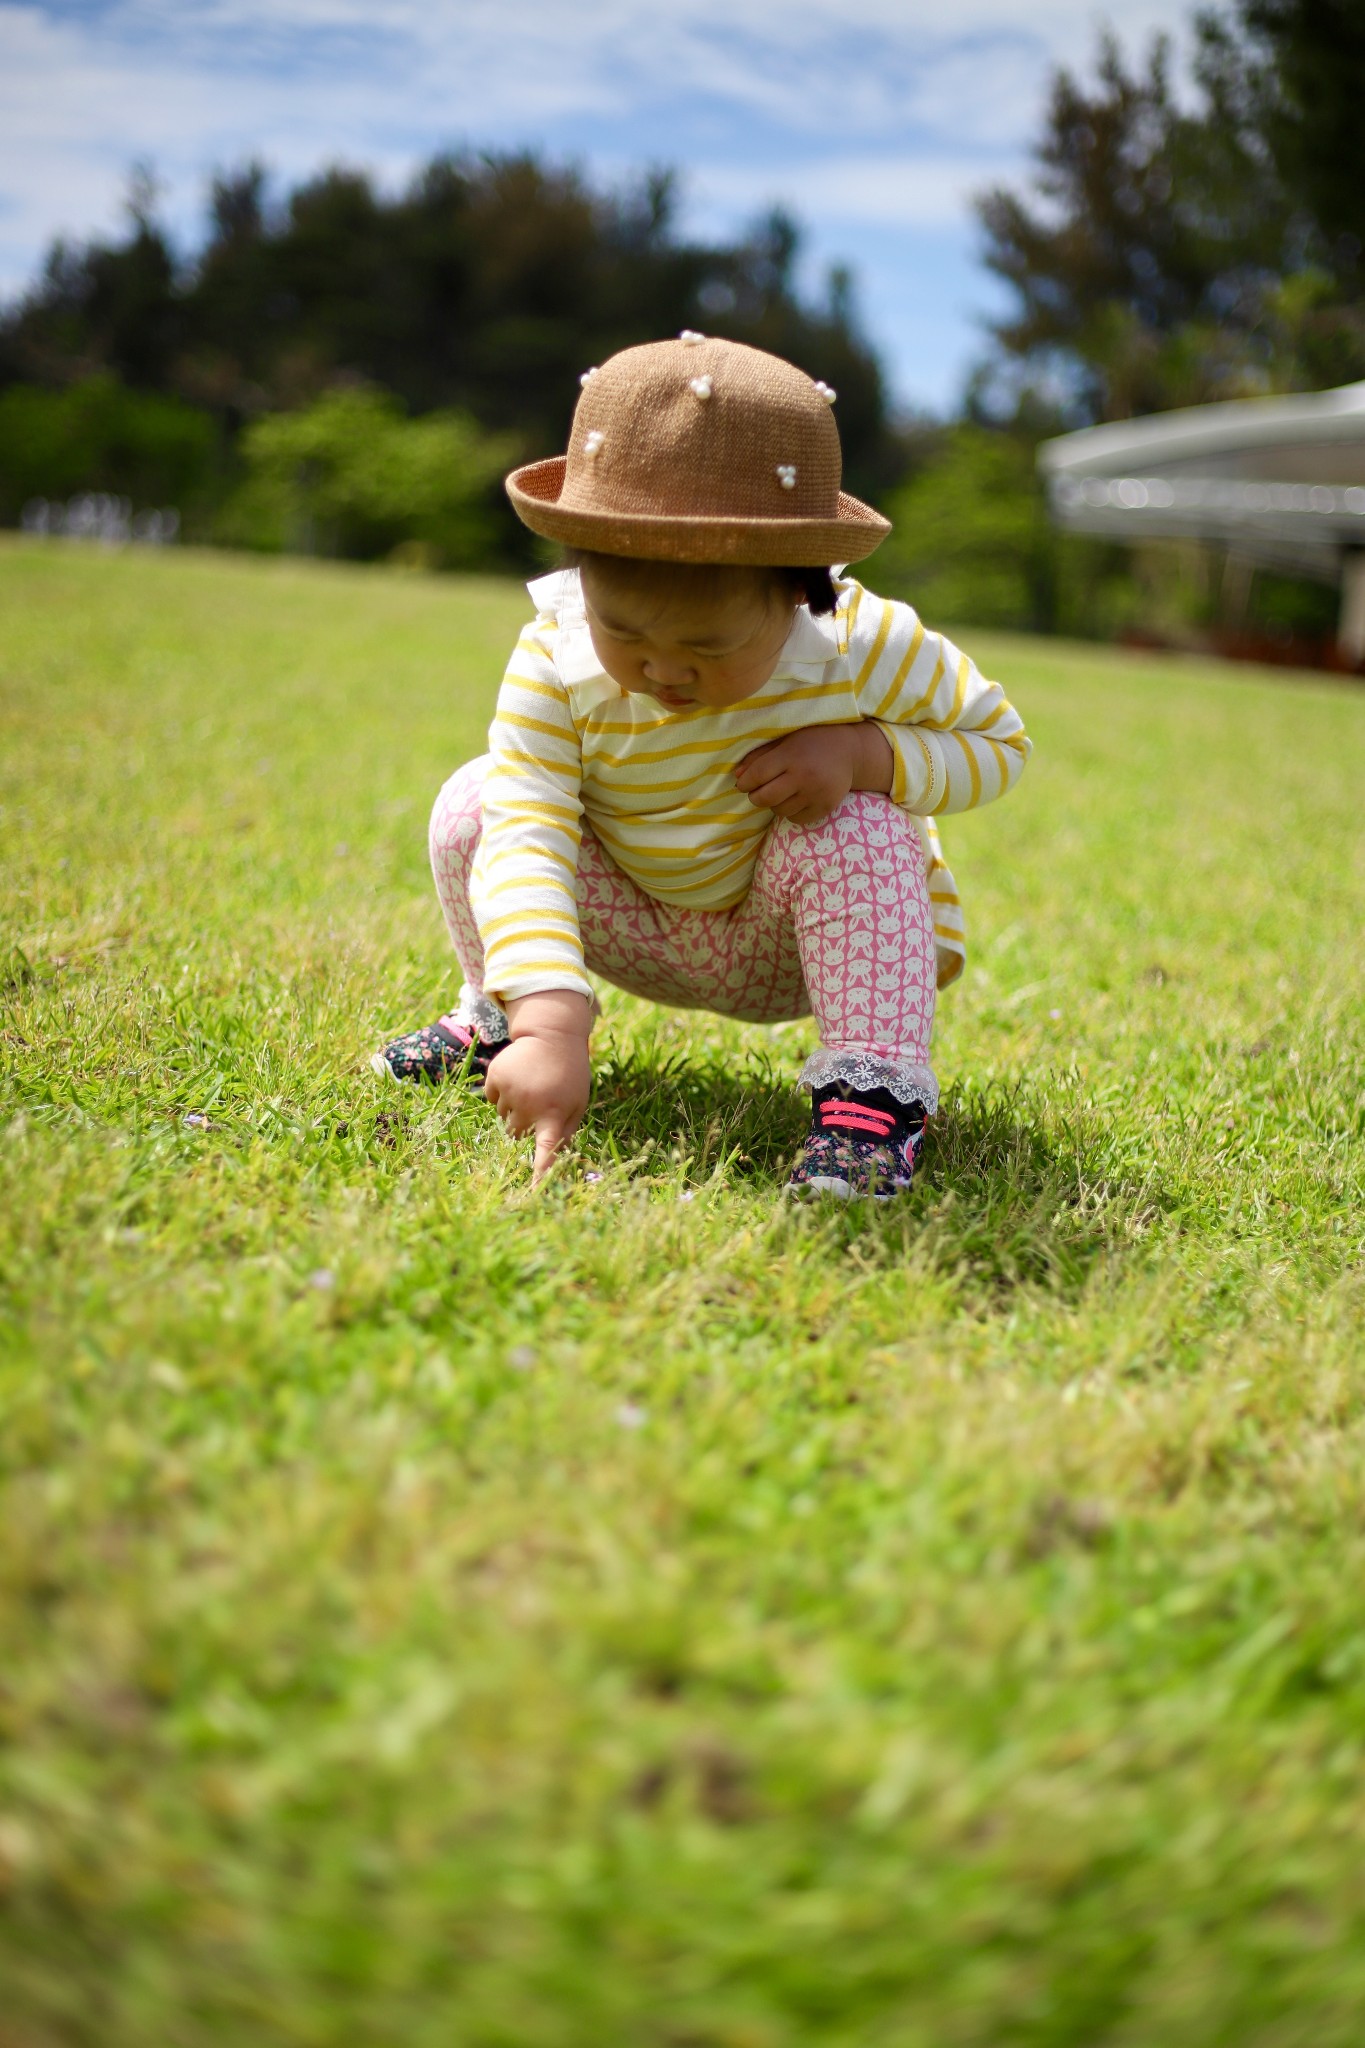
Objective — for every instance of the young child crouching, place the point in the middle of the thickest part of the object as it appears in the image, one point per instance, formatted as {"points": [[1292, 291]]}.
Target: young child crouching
{"points": [[713, 769]]}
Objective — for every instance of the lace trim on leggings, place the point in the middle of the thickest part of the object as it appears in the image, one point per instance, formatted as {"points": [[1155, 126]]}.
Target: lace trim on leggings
{"points": [[869, 1070], [480, 1013]]}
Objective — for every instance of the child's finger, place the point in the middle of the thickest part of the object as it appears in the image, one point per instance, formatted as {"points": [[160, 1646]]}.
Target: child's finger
{"points": [[514, 1121], [756, 765], [774, 792], [496, 1095], [550, 1135]]}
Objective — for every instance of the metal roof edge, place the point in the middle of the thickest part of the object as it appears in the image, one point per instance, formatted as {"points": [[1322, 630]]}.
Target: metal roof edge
{"points": [[1208, 429]]}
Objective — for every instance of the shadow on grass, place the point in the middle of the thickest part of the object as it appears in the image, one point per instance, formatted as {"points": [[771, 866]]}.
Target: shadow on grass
{"points": [[1018, 1191], [1012, 1190], [698, 1112]]}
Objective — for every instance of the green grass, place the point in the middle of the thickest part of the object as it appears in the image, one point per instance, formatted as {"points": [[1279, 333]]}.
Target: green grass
{"points": [[640, 1612]]}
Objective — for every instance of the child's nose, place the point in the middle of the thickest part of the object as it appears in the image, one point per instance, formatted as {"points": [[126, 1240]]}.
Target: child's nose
{"points": [[670, 675]]}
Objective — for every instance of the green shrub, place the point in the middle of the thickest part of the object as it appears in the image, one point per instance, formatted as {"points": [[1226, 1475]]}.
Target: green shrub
{"points": [[100, 436], [352, 475], [972, 542], [1290, 607], [970, 538]]}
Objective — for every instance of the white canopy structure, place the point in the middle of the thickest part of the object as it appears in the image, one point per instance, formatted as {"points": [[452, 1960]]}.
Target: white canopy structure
{"points": [[1279, 482]]}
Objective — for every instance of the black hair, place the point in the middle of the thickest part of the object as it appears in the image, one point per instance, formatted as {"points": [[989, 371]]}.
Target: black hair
{"points": [[812, 587]]}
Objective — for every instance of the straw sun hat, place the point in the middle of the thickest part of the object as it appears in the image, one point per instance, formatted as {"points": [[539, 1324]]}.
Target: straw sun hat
{"points": [[700, 451]]}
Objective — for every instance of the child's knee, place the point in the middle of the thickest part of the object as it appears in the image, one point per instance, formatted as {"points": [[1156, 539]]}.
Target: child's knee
{"points": [[868, 820], [866, 834], [457, 816], [868, 810]]}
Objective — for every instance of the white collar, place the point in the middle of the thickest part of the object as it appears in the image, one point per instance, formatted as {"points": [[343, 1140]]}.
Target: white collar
{"points": [[811, 643]]}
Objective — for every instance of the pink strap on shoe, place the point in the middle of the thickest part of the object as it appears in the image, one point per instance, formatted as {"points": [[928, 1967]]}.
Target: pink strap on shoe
{"points": [[856, 1116]]}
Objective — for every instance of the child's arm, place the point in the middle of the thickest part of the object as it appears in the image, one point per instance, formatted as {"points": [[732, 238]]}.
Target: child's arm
{"points": [[955, 739], [522, 893], [935, 736]]}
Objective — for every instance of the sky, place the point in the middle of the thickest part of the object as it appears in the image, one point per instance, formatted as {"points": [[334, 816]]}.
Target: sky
{"points": [[874, 126]]}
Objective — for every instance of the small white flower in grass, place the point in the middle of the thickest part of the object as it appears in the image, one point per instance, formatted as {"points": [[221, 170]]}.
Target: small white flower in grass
{"points": [[324, 1279], [701, 386], [786, 475], [688, 1195], [1054, 1014], [196, 1120], [631, 1415], [691, 336], [592, 1176], [588, 376], [593, 443], [521, 1358], [826, 391]]}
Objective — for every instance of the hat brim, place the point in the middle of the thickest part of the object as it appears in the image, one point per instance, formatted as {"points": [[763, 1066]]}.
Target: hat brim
{"points": [[759, 543]]}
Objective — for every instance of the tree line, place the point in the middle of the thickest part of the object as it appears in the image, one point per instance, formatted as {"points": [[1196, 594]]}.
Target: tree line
{"points": [[482, 292]]}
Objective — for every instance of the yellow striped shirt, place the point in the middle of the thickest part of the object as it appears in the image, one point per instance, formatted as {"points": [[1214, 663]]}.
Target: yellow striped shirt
{"points": [[657, 786]]}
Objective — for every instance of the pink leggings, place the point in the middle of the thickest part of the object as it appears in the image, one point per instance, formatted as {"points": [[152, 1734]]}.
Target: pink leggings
{"points": [[837, 922]]}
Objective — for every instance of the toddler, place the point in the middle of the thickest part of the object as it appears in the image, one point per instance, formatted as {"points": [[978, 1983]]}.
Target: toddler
{"points": [[713, 769]]}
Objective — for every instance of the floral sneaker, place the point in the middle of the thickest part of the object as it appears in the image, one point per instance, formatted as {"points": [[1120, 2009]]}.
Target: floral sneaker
{"points": [[437, 1053], [863, 1141]]}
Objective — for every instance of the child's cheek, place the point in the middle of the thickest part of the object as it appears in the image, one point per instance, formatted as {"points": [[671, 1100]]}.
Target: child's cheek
{"points": [[620, 663], [623, 669]]}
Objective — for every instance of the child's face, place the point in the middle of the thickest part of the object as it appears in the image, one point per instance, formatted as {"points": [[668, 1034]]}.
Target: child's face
{"points": [[701, 648]]}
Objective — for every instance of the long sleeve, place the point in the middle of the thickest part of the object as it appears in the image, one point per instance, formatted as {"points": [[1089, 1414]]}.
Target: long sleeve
{"points": [[522, 888], [956, 738]]}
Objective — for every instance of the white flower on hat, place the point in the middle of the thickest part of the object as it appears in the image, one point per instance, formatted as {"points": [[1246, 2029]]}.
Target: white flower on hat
{"points": [[587, 376], [594, 441], [786, 475], [826, 391], [701, 385], [690, 336]]}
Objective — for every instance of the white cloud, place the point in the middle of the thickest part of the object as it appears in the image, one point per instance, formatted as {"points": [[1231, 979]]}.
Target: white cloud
{"points": [[894, 191], [893, 120]]}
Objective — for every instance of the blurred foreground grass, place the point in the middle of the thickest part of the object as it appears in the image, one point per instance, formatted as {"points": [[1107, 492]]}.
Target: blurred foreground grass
{"points": [[641, 1613]]}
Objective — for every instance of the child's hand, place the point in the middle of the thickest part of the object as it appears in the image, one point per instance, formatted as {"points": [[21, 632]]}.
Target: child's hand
{"points": [[807, 774], [542, 1081]]}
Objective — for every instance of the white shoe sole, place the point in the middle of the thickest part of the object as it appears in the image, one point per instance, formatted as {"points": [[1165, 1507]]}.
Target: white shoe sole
{"points": [[826, 1184]]}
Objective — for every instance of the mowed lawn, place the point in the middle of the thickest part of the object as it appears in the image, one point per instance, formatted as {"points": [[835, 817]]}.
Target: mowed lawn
{"points": [[437, 1615]]}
